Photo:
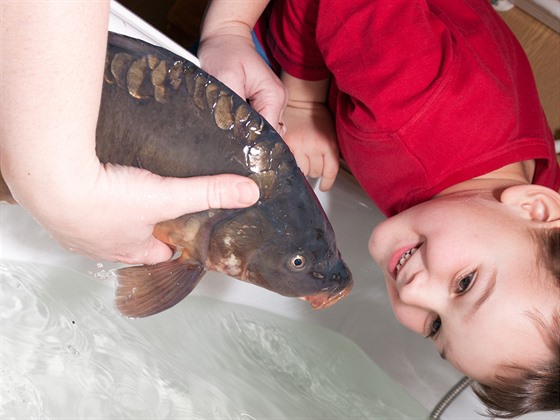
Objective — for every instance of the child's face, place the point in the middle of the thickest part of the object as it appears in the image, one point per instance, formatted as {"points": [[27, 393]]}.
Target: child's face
{"points": [[471, 281]]}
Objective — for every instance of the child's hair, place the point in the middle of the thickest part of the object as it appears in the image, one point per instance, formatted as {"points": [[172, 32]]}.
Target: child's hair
{"points": [[535, 389]]}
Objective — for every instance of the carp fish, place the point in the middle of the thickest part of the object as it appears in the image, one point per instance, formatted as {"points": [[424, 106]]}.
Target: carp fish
{"points": [[164, 114]]}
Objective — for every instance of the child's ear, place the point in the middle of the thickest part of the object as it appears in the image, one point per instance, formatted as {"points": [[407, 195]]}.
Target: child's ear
{"points": [[533, 202]]}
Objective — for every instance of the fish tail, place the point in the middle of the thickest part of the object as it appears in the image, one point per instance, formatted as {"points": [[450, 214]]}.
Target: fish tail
{"points": [[148, 289]]}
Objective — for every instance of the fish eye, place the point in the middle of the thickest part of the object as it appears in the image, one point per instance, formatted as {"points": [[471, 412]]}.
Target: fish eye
{"points": [[297, 262]]}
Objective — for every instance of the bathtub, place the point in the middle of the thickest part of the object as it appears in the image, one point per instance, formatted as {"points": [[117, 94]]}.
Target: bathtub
{"points": [[229, 350]]}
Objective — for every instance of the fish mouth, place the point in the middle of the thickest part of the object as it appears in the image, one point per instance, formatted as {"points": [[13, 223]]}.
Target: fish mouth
{"points": [[327, 297]]}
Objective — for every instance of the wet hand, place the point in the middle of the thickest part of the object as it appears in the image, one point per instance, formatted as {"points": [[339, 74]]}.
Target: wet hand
{"points": [[109, 213]]}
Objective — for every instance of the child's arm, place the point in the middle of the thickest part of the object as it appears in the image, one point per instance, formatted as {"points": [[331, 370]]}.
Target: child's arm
{"points": [[310, 129], [227, 51]]}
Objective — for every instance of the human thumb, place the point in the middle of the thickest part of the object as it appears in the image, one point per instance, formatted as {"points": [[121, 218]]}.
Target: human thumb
{"points": [[200, 193], [135, 200], [174, 197]]}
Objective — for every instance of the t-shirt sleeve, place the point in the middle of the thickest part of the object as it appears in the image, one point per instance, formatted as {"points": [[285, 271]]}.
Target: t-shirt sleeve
{"points": [[292, 39], [386, 57]]}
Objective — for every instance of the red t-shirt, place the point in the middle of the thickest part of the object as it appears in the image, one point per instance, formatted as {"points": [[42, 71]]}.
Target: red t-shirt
{"points": [[425, 94]]}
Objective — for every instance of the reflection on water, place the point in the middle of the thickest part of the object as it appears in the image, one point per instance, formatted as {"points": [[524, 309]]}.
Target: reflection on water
{"points": [[65, 352]]}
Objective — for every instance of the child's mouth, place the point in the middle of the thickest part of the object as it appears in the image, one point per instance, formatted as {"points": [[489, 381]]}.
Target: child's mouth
{"points": [[400, 258], [404, 258]]}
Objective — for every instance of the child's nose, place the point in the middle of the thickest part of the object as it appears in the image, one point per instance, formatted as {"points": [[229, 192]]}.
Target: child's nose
{"points": [[424, 292]]}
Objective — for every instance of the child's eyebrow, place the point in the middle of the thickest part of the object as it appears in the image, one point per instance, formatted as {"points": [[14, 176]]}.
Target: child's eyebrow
{"points": [[486, 293]]}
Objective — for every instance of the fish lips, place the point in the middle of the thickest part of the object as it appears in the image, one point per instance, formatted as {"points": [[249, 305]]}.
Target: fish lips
{"points": [[343, 283]]}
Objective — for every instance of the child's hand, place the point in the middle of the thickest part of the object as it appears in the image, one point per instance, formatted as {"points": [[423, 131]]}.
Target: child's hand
{"points": [[227, 52], [311, 135], [233, 60]]}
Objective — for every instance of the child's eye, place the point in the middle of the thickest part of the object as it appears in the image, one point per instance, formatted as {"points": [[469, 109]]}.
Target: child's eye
{"points": [[465, 283], [433, 327]]}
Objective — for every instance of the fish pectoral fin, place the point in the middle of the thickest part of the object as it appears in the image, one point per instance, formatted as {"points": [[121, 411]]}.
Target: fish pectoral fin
{"points": [[148, 289]]}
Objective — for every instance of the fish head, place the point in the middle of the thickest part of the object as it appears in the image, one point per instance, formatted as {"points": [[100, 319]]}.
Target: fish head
{"points": [[284, 244], [311, 272]]}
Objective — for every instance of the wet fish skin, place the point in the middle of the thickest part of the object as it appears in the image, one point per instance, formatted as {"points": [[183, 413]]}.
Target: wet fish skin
{"points": [[164, 114]]}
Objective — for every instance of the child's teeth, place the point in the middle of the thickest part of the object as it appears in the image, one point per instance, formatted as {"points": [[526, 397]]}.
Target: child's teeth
{"points": [[405, 258]]}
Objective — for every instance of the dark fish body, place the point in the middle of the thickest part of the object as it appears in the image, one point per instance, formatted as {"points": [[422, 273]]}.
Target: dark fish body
{"points": [[162, 113]]}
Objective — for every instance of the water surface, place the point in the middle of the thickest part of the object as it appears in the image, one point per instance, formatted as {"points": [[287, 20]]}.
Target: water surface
{"points": [[66, 353]]}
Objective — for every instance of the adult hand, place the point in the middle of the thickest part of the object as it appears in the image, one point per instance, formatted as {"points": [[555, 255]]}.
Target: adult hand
{"points": [[108, 212]]}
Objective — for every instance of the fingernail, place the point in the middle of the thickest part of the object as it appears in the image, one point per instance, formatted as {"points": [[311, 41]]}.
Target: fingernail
{"points": [[248, 192]]}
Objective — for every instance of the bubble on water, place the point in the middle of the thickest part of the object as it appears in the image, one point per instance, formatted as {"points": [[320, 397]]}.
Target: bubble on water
{"points": [[105, 276], [70, 349]]}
